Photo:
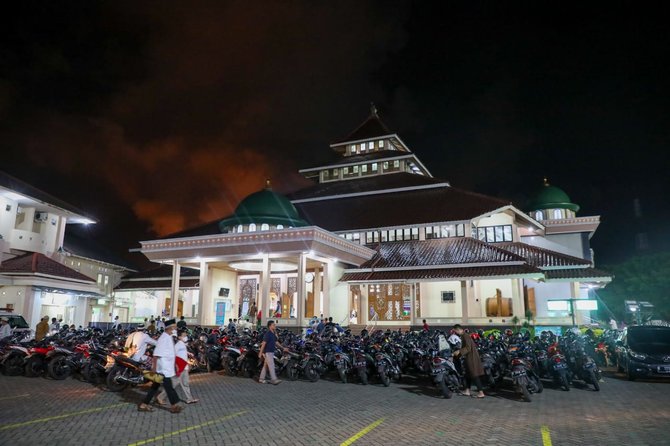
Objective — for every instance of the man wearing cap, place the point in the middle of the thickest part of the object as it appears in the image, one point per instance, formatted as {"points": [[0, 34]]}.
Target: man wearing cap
{"points": [[138, 342], [5, 329], [164, 363], [42, 329]]}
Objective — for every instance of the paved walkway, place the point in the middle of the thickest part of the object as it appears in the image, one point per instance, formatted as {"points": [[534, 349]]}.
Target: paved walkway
{"points": [[238, 411]]}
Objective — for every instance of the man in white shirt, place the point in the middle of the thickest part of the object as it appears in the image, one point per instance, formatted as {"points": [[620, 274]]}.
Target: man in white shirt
{"points": [[182, 378], [5, 329], [164, 364], [137, 344], [160, 324], [116, 325]]}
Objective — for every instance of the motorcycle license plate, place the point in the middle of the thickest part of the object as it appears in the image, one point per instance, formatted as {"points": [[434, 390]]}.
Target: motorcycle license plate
{"points": [[360, 364], [518, 373], [662, 369], [437, 371], [589, 365], [339, 362], [560, 366]]}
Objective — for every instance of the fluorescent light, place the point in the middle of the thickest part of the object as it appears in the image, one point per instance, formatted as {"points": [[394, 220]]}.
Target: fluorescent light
{"points": [[558, 305], [586, 305]]}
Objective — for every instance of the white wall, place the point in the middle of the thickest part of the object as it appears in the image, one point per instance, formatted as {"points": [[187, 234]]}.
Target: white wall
{"points": [[431, 299], [548, 291], [485, 289], [339, 294], [220, 278], [7, 218], [570, 244]]}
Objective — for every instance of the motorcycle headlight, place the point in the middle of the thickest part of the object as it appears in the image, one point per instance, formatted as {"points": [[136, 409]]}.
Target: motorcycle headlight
{"points": [[640, 356]]}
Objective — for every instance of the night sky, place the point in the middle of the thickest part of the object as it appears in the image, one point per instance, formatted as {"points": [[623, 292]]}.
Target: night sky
{"points": [[156, 116]]}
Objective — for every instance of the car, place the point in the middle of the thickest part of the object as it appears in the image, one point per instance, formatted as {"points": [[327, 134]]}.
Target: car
{"points": [[644, 352], [16, 321]]}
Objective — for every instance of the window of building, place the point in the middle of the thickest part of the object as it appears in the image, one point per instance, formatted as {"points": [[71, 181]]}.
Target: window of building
{"points": [[391, 236], [448, 297], [385, 166], [495, 234], [99, 279], [364, 168], [265, 227], [415, 233], [538, 215], [352, 149], [372, 237], [381, 143], [326, 174], [280, 226], [106, 280], [396, 164], [252, 227], [349, 237], [336, 173], [460, 230], [240, 228], [355, 169], [558, 213], [374, 167]]}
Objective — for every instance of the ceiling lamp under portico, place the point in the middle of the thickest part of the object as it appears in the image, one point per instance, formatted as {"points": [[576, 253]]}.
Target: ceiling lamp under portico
{"points": [[276, 266]]}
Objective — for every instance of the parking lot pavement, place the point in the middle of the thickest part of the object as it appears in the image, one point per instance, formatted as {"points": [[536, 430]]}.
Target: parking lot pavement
{"points": [[239, 411]]}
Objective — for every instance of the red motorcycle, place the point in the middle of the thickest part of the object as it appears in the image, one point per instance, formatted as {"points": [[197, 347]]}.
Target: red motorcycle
{"points": [[36, 361]]}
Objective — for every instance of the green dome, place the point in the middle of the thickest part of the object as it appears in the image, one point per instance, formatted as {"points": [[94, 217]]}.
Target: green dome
{"points": [[264, 206], [551, 197]]}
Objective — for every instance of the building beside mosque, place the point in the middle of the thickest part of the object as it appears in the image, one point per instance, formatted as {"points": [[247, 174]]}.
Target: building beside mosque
{"points": [[377, 240], [45, 269]]}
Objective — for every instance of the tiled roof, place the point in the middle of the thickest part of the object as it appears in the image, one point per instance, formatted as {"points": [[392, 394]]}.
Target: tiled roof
{"points": [[442, 273], [437, 252], [36, 263], [400, 208], [370, 128], [579, 274], [372, 156], [365, 184], [156, 284], [543, 258], [90, 249]]}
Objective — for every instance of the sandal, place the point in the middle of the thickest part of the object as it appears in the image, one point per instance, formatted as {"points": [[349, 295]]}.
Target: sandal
{"points": [[144, 408], [175, 409]]}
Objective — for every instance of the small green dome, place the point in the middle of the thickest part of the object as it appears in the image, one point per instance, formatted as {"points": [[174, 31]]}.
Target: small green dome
{"points": [[264, 206], [551, 197]]}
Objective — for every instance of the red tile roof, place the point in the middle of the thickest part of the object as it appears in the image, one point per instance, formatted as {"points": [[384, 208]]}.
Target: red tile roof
{"points": [[437, 252], [36, 263], [543, 258], [442, 273]]}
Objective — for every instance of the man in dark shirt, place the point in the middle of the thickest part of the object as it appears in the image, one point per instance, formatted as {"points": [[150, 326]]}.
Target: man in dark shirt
{"points": [[268, 349], [181, 325]]}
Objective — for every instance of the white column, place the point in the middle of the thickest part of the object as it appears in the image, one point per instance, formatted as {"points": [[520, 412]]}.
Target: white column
{"points": [[174, 292], [465, 296], [517, 300], [326, 290], [412, 304], [265, 287], [319, 308], [302, 294], [203, 305]]}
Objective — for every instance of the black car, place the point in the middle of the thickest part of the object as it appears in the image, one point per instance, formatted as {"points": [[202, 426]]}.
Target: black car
{"points": [[644, 352]]}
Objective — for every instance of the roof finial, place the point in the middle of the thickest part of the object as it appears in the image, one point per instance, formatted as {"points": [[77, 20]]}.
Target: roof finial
{"points": [[373, 110], [267, 183], [546, 182]]}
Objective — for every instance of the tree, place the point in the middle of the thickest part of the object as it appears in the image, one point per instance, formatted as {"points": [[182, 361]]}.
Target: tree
{"points": [[642, 278]]}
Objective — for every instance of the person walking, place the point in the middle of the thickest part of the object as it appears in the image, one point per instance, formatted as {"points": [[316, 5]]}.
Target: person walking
{"points": [[425, 325], [267, 350], [137, 344], [116, 325], [259, 316], [473, 364], [164, 364], [54, 327], [181, 381], [5, 329], [42, 329], [181, 325]]}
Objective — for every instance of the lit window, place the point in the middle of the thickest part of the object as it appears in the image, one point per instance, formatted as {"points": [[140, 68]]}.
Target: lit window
{"points": [[252, 227], [325, 174], [507, 229], [374, 167], [364, 168], [355, 168], [558, 213], [538, 215], [406, 234], [396, 164], [280, 226], [460, 230], [336, 173], [240, 228], [99, 279], [345, 170], [371, 145], [106, 280], [381, 143], [363, 147], [384, 236], [349, 237], [391, 236], [265, 227], [386, 165], [352, 149], [415, 233]]}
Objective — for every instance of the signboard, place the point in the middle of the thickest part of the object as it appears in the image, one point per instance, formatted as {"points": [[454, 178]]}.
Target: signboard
{"points": [[558, 305], [586, 305]]}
